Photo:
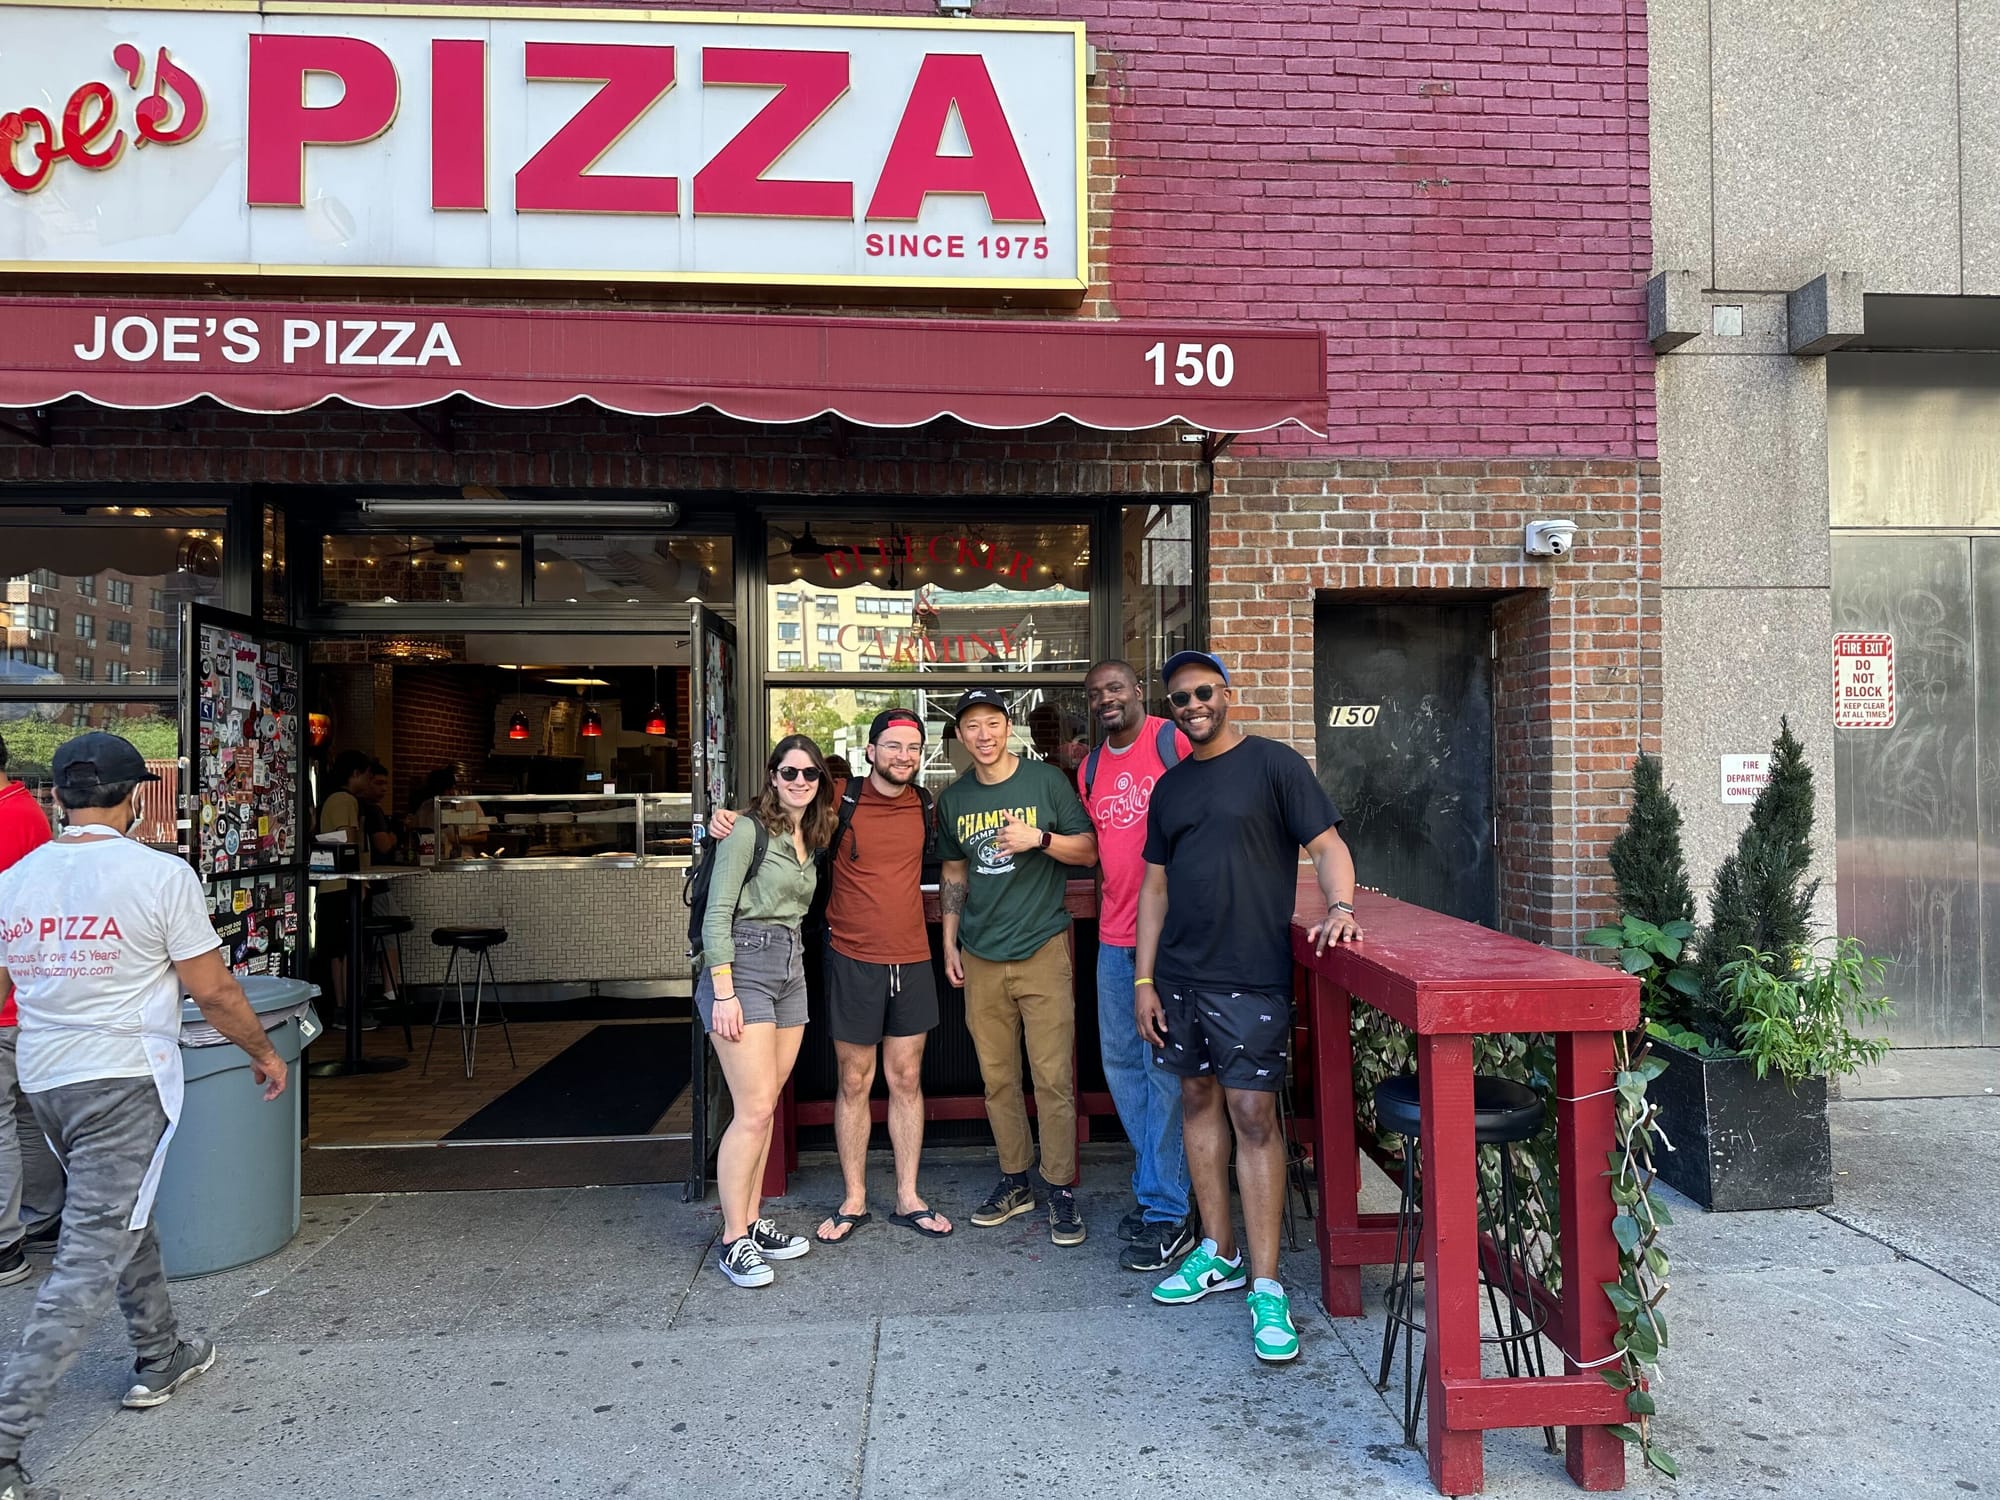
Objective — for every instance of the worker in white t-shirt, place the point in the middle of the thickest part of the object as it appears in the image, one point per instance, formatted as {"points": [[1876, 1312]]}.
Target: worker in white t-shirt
{"points": [[101, 936]]}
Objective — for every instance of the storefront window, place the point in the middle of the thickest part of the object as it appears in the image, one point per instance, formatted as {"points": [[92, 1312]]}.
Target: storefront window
{"points": [[1050, 723], [628, 569], [421, 568], [944, 597], [1157, 559], [273, 597], [98, 599], [34, 730]]}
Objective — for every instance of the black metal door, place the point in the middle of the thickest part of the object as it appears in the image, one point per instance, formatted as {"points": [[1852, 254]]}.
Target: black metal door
{"points": [[1403, 697]]}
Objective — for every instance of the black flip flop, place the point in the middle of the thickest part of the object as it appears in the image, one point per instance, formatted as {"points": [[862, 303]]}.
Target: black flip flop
{"points": [[910, 1221], [851, 1222]]}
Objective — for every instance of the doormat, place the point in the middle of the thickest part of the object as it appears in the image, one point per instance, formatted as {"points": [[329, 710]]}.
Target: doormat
{"points": [[616, 1080]]}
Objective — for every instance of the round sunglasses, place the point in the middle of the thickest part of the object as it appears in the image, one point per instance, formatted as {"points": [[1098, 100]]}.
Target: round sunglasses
{"points": [[793, 773], [1196, 695]]}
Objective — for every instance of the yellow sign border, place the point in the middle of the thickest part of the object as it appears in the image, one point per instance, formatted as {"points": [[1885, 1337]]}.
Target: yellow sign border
{"points": [[1078, 284]]}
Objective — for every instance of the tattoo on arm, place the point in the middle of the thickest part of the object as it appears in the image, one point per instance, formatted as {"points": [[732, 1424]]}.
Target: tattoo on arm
{"points": [[951, 896]]}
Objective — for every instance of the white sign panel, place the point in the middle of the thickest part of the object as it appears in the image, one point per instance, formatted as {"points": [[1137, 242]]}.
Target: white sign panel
{"points": [[456, 143], [1864, 681], [1743, 776]]}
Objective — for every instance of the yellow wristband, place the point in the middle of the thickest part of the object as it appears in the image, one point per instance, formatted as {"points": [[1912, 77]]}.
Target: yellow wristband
{"points": [[1137, 982], [723, 969]]}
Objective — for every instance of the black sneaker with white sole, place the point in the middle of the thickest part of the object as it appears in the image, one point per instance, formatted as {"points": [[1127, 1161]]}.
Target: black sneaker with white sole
{"points": [[743, 1263], [154, 1381], [1065, 1223], [1133, 1226], [14, 1263], [1010, 1196], [774, 1244], [1163, 1245]]}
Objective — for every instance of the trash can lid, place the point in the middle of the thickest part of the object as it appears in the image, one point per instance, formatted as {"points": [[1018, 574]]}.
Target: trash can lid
{"points": [[265, 992]]}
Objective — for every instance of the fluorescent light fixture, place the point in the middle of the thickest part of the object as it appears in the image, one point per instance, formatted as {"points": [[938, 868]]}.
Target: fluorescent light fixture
{"points": [[499, 511], [576, 682]]}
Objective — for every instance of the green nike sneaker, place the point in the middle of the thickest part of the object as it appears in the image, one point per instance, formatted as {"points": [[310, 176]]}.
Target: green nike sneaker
{"points": [[1271, 1332], [1201, 1273]]}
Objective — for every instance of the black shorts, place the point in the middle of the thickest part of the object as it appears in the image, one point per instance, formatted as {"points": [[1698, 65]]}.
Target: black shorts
{"points": [[866, 1002], [1242, 1038]]}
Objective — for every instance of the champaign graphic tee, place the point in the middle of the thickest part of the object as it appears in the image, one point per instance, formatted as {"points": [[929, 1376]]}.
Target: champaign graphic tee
{"points": [[1013, 902], [90, 929]]}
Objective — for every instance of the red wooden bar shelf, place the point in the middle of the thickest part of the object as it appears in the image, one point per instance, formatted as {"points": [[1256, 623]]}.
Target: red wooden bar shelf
{"points": [[1448, 981]]}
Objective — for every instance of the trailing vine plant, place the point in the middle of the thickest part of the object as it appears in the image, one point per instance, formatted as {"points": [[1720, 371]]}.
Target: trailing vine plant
{"points": [[1643, 1265]]}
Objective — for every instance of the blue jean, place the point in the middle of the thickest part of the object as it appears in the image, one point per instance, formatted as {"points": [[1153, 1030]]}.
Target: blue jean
{"points": [[1148, 1099]]}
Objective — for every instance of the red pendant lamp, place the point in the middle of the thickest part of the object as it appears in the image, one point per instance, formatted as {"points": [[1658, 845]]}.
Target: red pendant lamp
{"points": [[517, 722], [656, 721]]}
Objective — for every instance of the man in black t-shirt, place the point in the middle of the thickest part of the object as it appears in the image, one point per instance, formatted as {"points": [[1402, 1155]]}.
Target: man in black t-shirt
{"points": [[1214, 986]]}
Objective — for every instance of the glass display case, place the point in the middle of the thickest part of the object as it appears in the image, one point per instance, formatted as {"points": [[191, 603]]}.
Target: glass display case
{"points": [[545, 832]]}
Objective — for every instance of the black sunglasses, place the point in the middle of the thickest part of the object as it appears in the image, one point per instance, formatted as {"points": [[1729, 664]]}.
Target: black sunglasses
{"points": [[793, 773], [1199, 695]]}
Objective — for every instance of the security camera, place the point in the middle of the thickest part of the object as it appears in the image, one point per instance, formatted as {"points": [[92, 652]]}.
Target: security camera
{"points": [[1548, 538]]}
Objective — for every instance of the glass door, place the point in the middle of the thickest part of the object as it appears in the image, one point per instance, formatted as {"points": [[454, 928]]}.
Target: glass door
{"points": [[712, 722]]}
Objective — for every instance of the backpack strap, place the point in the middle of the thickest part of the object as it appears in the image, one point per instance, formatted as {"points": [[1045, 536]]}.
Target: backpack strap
{"points": [[1090, 771], [763, 837], [844, 818], [929, 805], [1170, 750]]}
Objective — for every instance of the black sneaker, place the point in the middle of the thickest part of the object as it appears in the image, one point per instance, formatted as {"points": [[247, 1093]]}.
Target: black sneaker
{"points": [[1164, 1245], [14, 1264], [155, 1381], [44, 1238], [1065, 1223], [1133, 1226], [1010, 1197]]}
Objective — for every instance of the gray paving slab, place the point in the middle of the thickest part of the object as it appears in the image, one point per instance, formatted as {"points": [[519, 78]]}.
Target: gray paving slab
{"points": [[1783, 1239], [1928, 1073], [611, 1415], [1919, 1174]]}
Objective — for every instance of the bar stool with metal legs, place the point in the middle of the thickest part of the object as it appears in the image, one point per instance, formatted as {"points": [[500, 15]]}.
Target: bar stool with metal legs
{"points": [[380, 933], [1504, 1114], [474, 944]]}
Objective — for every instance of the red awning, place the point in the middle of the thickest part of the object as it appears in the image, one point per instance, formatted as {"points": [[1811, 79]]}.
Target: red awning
{"points": [[880, 372]]}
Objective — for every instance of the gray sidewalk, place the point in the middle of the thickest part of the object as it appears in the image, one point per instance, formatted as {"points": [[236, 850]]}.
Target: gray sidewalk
{"points": [[580, 1343]]}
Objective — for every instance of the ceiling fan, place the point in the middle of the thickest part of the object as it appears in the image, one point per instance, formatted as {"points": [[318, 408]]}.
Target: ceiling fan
{"points": [[805, 544]]}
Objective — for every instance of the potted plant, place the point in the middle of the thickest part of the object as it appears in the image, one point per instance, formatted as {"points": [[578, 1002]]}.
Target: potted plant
{"points": [[1758, 1018]]}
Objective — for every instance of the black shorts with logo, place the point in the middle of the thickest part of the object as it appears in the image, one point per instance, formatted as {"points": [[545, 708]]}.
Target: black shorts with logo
{"points": [[866, 1002], [1240, 1037]]}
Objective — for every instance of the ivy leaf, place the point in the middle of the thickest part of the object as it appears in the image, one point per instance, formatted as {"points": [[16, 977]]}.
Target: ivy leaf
{"points": [[1656, 1260], [1626, 1229], [1623, 1433], [1660, 1327], [1617, 1379], [1642, 1343], [1621, 1299], [1682, 982], [1640, 1404], [1658, 1458], [1660, 1214]]}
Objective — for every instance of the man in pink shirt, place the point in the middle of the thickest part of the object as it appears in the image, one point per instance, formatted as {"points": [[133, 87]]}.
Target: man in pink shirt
{"points": [[1116, 782], [25, 1158]]}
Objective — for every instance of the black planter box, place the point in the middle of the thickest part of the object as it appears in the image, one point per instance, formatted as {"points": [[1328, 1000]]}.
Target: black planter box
{"points": [[1741, 1142]]}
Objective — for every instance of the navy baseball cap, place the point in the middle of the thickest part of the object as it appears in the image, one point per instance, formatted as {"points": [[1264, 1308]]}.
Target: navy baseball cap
{"points": [[980, 697], [97, 759], [888, 716], [1192, 659]]}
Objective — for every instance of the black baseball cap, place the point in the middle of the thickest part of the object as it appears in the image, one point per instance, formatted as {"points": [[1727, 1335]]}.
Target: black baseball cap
{"points": [[97, 759], [1192, 659], [980, 697], [880, 725]]}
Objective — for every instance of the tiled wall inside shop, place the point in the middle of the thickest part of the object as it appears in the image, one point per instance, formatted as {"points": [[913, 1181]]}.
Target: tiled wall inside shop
{"points": [[562, 925]]}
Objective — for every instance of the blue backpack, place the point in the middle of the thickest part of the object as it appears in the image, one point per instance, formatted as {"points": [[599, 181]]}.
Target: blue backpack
{"points": [[1170, 754]]}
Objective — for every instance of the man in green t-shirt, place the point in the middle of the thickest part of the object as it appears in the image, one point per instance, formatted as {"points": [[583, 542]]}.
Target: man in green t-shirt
{"points": [[1008, 830]]}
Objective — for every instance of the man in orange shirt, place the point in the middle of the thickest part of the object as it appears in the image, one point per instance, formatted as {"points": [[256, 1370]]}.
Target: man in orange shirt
{"points": [[30, 1176]]}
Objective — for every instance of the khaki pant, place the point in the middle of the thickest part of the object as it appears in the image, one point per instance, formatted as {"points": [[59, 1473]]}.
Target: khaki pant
{"points": [[1003, 1001]]}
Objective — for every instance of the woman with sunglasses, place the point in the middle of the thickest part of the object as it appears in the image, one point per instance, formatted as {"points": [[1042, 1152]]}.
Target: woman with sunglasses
{"points": [[752, 992]]}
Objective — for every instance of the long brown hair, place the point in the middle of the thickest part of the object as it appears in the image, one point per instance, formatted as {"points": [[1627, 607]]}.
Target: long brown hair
{"points": [[817, 820]]}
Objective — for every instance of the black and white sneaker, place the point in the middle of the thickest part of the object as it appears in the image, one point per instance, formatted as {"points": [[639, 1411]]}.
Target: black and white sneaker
{"points": [[1163, 1245], [775, 1244], [1010, 1196], [1065, 1223], [155, 1381], [743, 1263], [1132, 1228], [14, 1263]]}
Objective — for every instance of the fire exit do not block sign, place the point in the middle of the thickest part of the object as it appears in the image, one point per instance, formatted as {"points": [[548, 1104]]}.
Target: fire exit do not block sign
{"points": [[1864, 681]]}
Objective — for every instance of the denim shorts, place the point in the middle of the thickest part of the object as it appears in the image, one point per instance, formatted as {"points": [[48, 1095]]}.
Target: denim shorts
{"points": [[770, 974]]}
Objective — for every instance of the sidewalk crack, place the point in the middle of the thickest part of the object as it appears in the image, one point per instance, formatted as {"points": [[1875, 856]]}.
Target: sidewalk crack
{"points": [[1903, 1254], [867, 1414]]}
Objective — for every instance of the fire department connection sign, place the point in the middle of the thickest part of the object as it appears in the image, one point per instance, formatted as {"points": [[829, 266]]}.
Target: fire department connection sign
{"points": [[1864, 681], [211, 138]]}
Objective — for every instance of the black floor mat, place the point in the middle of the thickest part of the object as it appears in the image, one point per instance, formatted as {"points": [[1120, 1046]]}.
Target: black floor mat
{"points": [[617, 1080]]}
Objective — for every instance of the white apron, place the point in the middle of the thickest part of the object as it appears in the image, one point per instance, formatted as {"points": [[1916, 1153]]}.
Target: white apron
{"points": [[163, 1058]]}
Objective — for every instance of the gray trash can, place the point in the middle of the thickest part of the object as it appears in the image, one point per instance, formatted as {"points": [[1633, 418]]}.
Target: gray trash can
{"points": [[230, 1191]]}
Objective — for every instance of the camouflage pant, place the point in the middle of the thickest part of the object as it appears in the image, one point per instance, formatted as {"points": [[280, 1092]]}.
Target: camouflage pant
{"points": [[31, 1180], [105, 1133]]}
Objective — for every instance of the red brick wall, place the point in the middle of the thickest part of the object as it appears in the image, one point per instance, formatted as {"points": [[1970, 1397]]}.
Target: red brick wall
{"points": [[440, 721]]}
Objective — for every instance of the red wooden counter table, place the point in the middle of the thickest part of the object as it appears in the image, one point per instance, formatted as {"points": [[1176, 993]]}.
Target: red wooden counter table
{"points": [[1447, 981]]}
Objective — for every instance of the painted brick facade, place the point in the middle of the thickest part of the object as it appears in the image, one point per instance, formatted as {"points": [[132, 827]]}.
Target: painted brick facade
{"points": [[1455, 191]]}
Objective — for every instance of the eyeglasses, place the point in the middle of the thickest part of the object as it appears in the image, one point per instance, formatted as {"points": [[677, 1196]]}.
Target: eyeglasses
{"points": [[890, 747], [1198, 695], [793, 773]]}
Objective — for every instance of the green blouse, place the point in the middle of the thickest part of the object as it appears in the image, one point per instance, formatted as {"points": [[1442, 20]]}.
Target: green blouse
{"points": [[781, 893]]}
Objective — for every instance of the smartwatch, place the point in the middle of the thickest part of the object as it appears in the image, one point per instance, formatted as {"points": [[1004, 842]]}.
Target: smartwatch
{"points": [[1344, 906], [1048, 838]]}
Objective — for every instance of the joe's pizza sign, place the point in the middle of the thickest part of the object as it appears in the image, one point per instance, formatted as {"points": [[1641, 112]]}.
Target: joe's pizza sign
{"points": [[517, 143]]}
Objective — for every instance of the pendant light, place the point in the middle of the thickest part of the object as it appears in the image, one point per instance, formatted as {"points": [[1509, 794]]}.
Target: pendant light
{"points": [[656, 721], [517, 724], [592, 727]]}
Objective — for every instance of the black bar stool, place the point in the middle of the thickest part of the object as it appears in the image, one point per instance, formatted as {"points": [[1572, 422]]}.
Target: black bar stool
{"points": [[380, 933], [1504, 1114], [475, 945]]}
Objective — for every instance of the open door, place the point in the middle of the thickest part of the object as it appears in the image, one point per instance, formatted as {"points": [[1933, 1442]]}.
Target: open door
{"points": [[242, 794], [712, 732]]}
